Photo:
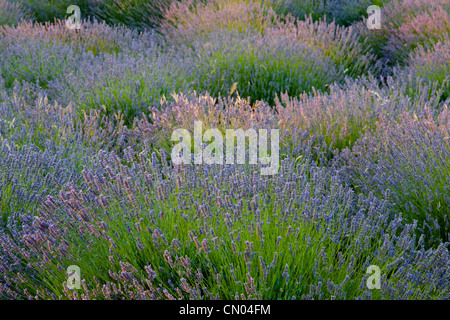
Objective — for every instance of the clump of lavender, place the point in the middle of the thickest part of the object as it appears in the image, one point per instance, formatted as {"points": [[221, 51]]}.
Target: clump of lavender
{"points": [[435, 24], [127, 82], [207, 232], [344, 46], [28, 174], [43, 146], [93, 36], [35, 62], [430, 64], [337, 119], [52, 127], [407, 161], [258, 66], [329, 122], [189, 19]]}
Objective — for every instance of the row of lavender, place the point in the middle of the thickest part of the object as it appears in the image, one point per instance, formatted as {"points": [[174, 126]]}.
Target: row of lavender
{"points": [[86, 178]]}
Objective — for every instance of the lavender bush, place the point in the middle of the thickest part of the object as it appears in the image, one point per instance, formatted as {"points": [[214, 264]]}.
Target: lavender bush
{"points": [[343, 45], [49, 126], [337, 119], [43, 146], [408, 161], [128, 83], [429, 64], [155, 232], [35, 62], [189, 19], [260, 65], [93, 36], [74, 71]]}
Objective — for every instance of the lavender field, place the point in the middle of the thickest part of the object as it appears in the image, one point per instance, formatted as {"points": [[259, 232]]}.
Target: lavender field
{"points": [[93, 206]]}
